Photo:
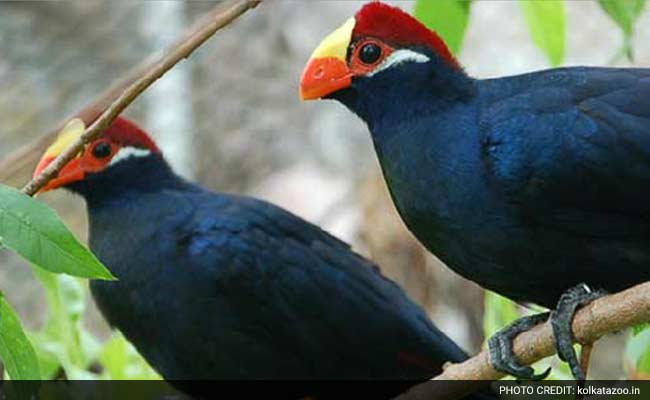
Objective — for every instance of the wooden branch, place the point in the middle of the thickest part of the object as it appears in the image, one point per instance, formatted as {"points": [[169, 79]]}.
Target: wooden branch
{"points": [[24, 158], [605, 315], [126, 91]]}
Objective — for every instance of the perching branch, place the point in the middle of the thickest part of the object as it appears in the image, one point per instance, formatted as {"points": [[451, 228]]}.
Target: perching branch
{"points": [[221, 16], [605, 315]]}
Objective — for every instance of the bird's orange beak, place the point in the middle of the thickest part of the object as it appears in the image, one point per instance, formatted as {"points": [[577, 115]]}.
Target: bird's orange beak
{"points": [[327, 70], [73, 171]]}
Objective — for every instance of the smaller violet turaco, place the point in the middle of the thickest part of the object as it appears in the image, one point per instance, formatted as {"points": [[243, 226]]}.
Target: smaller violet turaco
{"points": [[219, 286]]}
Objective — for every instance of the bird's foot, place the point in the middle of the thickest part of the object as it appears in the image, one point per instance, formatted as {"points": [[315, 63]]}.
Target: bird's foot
{"points": [[502, 356], [561, 320]]}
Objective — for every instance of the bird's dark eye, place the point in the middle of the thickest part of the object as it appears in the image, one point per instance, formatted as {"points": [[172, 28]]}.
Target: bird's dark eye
{"points": [[370, 53], [102, 150]]}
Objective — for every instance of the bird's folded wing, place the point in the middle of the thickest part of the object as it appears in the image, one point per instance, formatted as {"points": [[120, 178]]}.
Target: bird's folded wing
{"points": [[311, 293], [573, 153]]}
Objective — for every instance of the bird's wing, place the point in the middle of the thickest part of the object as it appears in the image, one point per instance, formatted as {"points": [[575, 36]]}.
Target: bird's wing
{"points": [[570, 148], [310, 292]]}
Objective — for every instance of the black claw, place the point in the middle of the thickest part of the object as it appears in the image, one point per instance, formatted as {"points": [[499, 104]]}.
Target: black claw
{"points": [[501, 353], [544, 374], [561, 320], [536, 377], [520, 371]]}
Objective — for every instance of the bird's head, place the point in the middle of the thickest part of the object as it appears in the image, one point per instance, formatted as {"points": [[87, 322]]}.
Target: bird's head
{"points": [[121, 141], [382, 49]]}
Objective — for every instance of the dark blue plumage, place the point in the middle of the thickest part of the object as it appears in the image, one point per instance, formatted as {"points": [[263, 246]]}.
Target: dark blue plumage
{"points": [[529, 185], [258, 292], [218, 286]]}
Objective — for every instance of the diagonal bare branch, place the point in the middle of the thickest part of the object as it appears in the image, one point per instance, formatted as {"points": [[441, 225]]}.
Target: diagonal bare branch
{"points": [[123, 93]]}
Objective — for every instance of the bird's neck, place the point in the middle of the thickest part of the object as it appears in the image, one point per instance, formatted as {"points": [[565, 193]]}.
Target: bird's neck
{"points": [[130, 177], [424, 133], [408, 92]]}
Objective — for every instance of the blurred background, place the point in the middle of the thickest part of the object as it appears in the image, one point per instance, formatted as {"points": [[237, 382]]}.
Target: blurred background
{"points": [[230, 117]]}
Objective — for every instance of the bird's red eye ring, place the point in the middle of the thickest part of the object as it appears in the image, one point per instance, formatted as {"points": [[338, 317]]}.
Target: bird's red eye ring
{"points": [[367, 54], [98, 156]]}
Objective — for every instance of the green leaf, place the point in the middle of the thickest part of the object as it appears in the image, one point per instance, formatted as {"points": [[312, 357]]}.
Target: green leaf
{"points": [[643, 364], [625, 14], [64, 338], [547, 24], [637, 354], [447, 17], [34, 231], [16, 350], [122, 361], [48, 363], [637, 329]]}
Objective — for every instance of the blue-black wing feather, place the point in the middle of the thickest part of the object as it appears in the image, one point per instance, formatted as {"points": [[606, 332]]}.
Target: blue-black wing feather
{"points": [[572, 149], [309, 293]]}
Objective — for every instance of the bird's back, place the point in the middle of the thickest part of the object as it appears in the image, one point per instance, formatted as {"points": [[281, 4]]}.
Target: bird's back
{"points": [[542, 174]]}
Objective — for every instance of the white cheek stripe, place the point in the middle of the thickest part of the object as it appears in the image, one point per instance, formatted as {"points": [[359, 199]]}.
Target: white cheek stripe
{"points": [[399, 57], [128, 152]]}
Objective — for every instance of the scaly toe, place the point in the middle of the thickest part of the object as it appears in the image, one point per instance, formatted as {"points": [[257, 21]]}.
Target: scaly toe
{"points": [[501, 352], [561, 320]]}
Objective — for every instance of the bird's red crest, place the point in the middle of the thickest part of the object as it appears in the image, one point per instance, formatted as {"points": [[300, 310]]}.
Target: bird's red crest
{"points": [[127, 133], [397, 27]]}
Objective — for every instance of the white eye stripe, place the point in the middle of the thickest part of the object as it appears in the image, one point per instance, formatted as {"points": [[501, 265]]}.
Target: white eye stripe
{"points": [[128, 152], [399, 57]]}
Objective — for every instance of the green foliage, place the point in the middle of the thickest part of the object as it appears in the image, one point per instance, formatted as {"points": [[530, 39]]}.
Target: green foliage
{"points": [[637, 329], [547, 24], [34, 231], [637, 355], [546, 20], [498, 313], [121, 361], [16, 351], [447, 17], [64, 344], [625, 14]]}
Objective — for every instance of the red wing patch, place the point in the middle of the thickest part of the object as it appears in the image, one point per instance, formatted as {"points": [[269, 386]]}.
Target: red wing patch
{"points": [[411, 359]]}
